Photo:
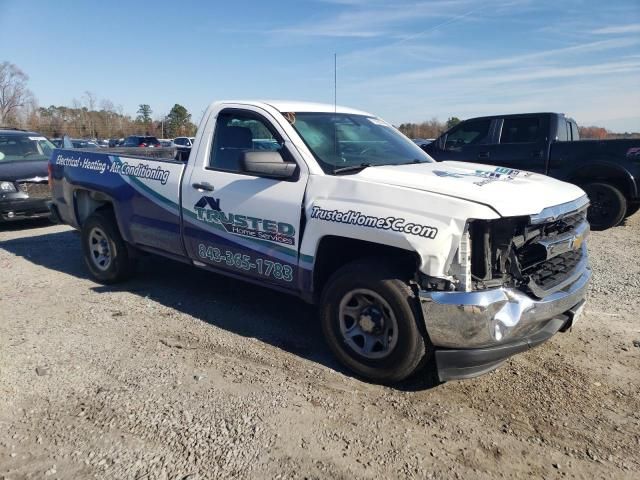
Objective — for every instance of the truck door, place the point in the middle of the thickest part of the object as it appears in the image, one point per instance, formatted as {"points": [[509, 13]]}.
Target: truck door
{"points": [[522, 144], [240, 222]]}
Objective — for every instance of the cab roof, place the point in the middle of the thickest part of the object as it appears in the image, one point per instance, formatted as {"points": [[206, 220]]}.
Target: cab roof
{"points": [[284, 106]]}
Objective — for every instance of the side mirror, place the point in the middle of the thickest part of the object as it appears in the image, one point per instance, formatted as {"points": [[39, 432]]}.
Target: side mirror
{"points": [[267, 164]]}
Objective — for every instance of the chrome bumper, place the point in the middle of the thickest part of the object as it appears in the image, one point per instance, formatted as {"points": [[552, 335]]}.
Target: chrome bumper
{"points": [[488, 318]]}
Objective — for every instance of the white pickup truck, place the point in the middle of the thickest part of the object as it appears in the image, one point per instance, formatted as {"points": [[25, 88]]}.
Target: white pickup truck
{"points": [[410, 261]]}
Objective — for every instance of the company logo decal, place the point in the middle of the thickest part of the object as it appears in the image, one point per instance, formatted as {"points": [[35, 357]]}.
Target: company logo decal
{"points": [[208, 210], [633, 152], [488, 176], [394, 224], [141, 170]]}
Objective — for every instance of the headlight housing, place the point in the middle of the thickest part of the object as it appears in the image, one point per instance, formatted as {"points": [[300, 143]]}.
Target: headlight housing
{"points": [[460, 268], [6, 187]]}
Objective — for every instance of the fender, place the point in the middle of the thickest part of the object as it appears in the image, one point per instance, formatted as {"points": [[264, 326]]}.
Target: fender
{"points": [[429, 224], [608, 169], [100, 198]]}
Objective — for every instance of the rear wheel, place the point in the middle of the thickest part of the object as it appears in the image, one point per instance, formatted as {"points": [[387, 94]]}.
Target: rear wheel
{"points": [[105, 252], [370, 320], [608, 205]]}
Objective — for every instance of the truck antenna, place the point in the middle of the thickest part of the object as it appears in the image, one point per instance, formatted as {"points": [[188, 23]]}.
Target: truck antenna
{"points": [[335, 82], [335, 103]]}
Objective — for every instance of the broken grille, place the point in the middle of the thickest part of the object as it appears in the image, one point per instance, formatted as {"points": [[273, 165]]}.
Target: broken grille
{"points": [[544, 269], [36, 190]]}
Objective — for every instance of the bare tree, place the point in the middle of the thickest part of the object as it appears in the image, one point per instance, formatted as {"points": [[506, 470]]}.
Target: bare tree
{"points": [[108, 108], [120, 112], [89, 100], [14, 93], [80, 118]]}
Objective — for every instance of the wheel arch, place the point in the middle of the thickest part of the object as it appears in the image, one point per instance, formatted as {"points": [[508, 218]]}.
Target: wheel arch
{"points": [[335, 251], [605, 172], [87, 202]]}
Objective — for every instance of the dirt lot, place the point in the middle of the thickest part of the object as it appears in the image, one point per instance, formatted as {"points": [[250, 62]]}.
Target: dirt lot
{"points": [[182, 374]]}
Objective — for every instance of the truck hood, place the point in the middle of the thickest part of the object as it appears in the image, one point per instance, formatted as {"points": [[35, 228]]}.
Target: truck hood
{"points": [[509, 192], [23, 169]]}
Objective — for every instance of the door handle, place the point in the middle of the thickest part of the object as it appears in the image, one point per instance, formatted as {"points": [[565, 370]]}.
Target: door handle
{"points": [[203, 186], [483, 155]]}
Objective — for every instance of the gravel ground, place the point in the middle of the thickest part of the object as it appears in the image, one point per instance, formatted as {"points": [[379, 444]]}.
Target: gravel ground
{"points": [[181, 374]]}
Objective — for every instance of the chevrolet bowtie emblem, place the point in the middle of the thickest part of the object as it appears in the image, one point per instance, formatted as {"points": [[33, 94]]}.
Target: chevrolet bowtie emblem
{"points": [[577, 242]]}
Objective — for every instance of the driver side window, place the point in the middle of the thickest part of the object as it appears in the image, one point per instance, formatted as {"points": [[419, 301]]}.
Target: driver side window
{"points": [[237, 133], [474, 132]]}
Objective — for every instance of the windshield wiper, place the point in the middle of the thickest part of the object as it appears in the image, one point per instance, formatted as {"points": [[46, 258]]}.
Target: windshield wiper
{"points": [[362, 166], [352, 168]]}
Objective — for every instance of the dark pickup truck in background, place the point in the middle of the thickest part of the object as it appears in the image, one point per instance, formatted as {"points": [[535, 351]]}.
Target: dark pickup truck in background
{"points": [[549, 143]]}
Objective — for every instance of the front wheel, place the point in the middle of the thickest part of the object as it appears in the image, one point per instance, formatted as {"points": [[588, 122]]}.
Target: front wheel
{"points": [[105, 252], [370, 320], [608, 205]]}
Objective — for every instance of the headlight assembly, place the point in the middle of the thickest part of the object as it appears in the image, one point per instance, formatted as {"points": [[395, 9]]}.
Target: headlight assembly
{"points": [[7, 187]]}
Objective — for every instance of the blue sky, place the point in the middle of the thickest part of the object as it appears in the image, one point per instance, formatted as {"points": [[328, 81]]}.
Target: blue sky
{"points": [[403, 60]]}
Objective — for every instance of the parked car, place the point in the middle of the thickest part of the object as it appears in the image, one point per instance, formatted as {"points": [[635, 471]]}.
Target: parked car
{"points": [[184, 141], [24, 188], [165, 142], [549, 143], [141, 141], [410, 261], [183, 147], [84, 144]]}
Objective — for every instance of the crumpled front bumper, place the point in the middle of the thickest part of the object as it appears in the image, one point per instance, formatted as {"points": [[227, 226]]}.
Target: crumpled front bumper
{"points": [[474, 332]]}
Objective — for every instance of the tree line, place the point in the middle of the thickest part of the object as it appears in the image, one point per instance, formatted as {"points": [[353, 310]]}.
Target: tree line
{"points": [[429, 128], [108, 122], [88, 117]]}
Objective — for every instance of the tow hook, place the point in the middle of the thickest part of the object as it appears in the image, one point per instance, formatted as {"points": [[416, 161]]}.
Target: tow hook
{"points": [[573, 315]]}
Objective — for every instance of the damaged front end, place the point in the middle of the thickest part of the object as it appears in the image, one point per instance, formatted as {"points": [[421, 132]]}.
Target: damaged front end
{"points": [[513, 283], [536, 258]]}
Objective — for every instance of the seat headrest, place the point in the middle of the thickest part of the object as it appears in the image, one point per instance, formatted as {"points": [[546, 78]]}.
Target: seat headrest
{"points": [[236, 137]]}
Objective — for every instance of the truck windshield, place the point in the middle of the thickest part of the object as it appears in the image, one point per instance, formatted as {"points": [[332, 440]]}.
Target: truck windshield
{"points": [[340, 141]]}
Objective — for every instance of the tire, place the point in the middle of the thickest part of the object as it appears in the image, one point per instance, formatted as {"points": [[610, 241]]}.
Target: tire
{"points": [[105, 252], [631, 209], [608, 205], [387, 342]]}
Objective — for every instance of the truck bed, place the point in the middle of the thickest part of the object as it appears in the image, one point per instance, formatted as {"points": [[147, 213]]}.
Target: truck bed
{"points": [[143, 186], [162, 153]]}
